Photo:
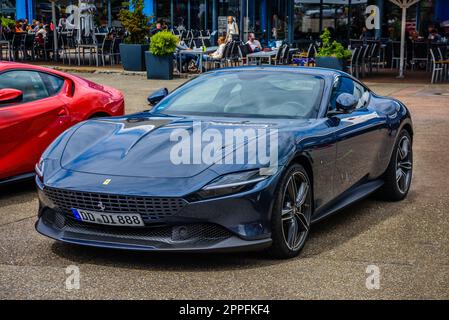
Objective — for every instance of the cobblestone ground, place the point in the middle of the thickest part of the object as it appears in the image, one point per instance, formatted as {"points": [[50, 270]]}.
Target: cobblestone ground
{"points": [[408, 241]]}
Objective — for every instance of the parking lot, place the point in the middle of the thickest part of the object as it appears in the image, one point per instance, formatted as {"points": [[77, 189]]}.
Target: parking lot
{"points": [[408, 241]]}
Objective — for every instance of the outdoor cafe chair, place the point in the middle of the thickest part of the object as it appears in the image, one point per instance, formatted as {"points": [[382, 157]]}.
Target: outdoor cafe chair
{"points": [[396, 54], [354, 64], [443, 60], [115, 51], [437, 68], [105, 50], [355, 43], [364, 58], [64, 49], [420, 53], [374, 56], [197, 43], [244, 50], [5, 46], [206, 42], [277, 59]]}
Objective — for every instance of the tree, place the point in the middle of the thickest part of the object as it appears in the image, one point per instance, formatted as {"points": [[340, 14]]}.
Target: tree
{"points": [[135, 22]]}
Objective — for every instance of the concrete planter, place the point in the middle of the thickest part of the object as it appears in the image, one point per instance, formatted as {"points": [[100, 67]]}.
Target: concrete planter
{"points": [[159, 67], [133, 56], [331, 63]]}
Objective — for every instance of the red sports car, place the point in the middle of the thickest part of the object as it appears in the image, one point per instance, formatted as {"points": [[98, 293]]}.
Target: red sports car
{"points": [[36, 105]]}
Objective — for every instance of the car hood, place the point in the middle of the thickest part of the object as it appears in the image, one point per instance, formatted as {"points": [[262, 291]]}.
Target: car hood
{"points": [[141, 145]]}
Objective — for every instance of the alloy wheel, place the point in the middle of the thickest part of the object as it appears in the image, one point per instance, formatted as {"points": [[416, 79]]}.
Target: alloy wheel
{"points": [[296, 210], [404, 164]]}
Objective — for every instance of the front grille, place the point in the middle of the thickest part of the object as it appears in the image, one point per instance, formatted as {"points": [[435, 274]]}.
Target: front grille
{"points": [[150, 208], [199, 234]]}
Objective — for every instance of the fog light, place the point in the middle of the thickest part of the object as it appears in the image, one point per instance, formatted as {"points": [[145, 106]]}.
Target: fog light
{"points": [[180, 233]]}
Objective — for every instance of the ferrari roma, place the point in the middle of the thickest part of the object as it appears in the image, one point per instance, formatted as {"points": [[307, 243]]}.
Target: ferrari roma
{"points": [[142, 182], [36, 105]]}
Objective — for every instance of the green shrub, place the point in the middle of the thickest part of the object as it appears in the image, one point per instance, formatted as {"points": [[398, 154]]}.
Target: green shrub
{"points": [[6, 22], [163, 44], [332, 48], [135, 22]]}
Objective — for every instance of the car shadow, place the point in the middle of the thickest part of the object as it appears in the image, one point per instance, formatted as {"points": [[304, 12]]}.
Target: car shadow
{"points": [[325, 236], [25, 189], [347, 224]]}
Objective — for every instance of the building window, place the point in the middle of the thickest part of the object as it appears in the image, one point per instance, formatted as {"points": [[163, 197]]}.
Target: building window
{"points": [[306, 23], [8, 8]]}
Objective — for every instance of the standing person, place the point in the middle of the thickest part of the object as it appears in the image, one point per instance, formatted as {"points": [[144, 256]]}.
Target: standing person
{"points": [[232, 30]]}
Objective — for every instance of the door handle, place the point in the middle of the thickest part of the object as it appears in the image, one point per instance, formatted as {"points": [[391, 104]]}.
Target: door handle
{"points": [[62, 112]]}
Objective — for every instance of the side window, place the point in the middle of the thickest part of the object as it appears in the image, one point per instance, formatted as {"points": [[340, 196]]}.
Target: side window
{"points": [[29, 82], [347, 85], [362, 94], [54, 84]]}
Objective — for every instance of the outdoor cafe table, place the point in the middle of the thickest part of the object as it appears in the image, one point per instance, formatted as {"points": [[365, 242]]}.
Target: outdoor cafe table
{"points": [[264, 55], [197, 51], [257, 56]]}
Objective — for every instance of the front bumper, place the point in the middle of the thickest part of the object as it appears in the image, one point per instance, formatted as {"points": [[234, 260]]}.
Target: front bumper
{"points": [[198, 237], [233, 223]]}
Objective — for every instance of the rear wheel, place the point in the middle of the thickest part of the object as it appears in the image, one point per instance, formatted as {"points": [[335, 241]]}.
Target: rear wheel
{"points": [[398, 176], [291, 213]]}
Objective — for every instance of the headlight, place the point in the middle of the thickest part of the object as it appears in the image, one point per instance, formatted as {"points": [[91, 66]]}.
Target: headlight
{"points": [[234, 182], [39, 168]]}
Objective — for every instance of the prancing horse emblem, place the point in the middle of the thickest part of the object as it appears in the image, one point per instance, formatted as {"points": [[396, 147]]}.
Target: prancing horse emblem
{"points": [[101, 206]]}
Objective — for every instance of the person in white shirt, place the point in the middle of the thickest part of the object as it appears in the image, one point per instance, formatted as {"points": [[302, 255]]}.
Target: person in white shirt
{"points": [[254, 43], [232, 29], [218, 54]]}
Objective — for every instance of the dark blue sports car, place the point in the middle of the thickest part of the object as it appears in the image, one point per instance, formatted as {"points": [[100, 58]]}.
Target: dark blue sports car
{"points": [[238, 158]]}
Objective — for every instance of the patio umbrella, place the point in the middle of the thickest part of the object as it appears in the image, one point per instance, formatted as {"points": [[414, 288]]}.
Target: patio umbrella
{"points": [[404, 5]]}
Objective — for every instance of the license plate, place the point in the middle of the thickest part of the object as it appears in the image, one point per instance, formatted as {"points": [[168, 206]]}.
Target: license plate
{"points": [[110, 219]]}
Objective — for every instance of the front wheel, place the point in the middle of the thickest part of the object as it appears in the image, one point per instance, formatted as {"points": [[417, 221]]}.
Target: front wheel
{"points": [[292, 212], [398, 176]]}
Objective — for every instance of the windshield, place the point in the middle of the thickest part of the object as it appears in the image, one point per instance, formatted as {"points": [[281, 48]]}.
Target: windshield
{"points": [[247, 94]]}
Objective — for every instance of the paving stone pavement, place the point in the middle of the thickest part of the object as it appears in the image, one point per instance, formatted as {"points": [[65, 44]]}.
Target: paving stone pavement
{"points": [[408, 241]]}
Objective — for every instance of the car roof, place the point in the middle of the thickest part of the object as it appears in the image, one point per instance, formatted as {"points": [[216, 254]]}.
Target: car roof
{"points": [[5, 65], [9, 64], [324, 72]]}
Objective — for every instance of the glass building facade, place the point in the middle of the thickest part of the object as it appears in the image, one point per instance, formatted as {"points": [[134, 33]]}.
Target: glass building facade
{"points": [[290, 20], [295, 20]]}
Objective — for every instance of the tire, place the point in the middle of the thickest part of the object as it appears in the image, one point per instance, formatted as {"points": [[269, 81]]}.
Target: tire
{"points": [[398, 175], [99, 115], [290, 224]]}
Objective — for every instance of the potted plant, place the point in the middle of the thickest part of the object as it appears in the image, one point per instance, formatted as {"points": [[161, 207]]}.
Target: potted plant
{"points": [[332, 54], [137, 26], [159, 59]]}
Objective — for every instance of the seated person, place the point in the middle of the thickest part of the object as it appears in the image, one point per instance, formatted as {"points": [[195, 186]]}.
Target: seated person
{"points": [[253, 43], [218, 54], [434, 36], [185, 58]]}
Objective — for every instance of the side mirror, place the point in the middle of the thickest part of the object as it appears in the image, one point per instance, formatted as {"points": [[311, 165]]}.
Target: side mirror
{"points": [[10, 96], [346, 102], [157, 96]]}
